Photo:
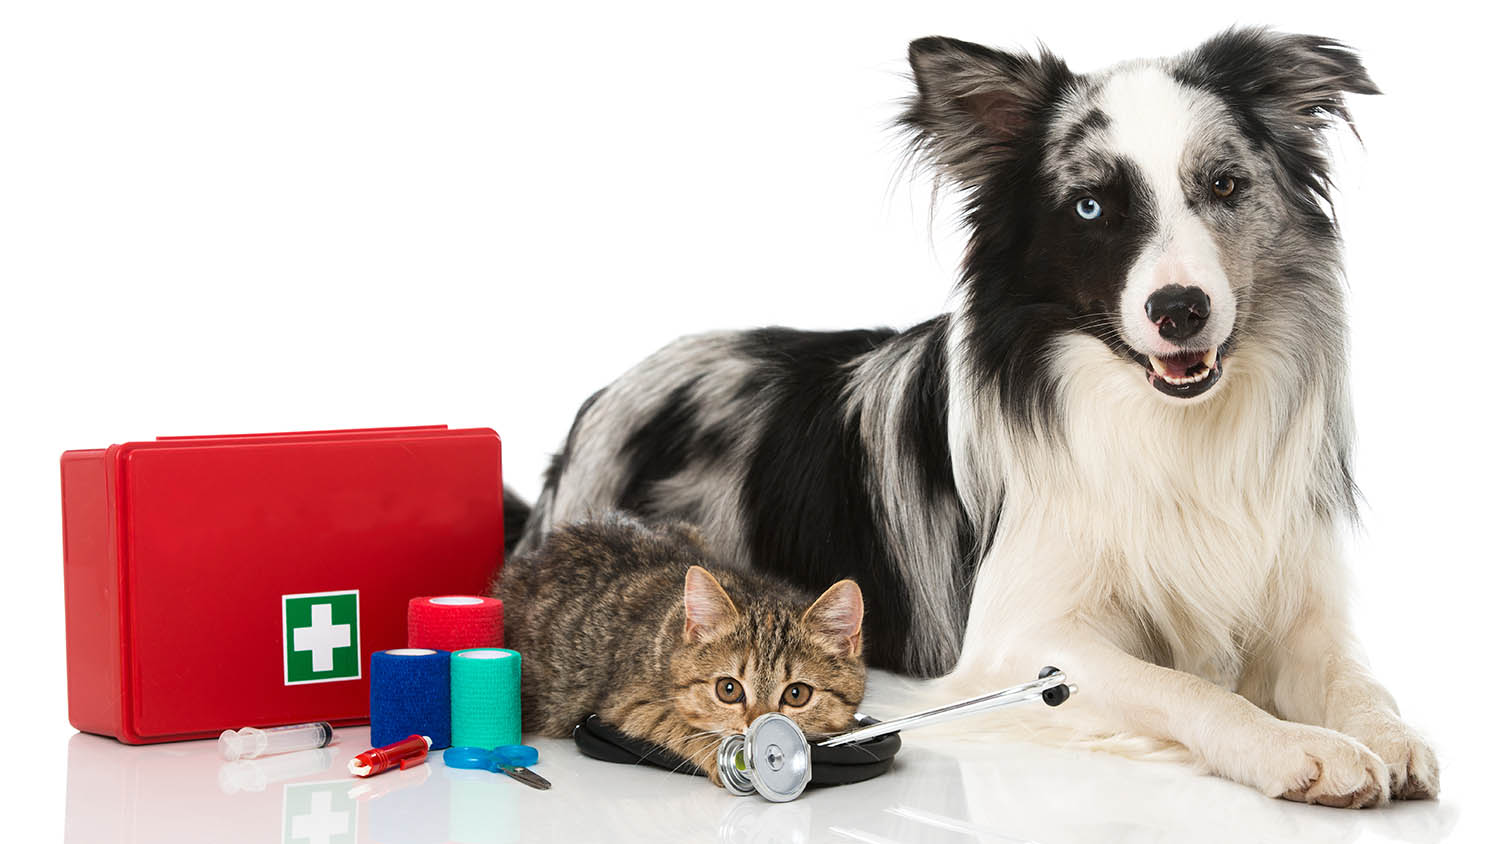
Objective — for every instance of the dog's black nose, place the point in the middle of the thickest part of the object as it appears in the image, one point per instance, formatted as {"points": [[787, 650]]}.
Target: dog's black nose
{"points": [[1178, 312]]}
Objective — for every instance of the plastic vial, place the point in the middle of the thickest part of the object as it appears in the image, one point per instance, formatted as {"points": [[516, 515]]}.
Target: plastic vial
{"points": [[251, 742]]}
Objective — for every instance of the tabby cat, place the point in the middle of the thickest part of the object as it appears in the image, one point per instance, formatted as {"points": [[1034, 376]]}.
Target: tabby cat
{"points": [[616, 617]]}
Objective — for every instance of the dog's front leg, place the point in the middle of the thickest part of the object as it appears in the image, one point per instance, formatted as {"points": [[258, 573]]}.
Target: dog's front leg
{"points": [[1316, 676], [1227, 733]]}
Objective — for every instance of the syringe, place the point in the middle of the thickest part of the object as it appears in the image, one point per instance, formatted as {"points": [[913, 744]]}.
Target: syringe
{"points": [[253, 742]]}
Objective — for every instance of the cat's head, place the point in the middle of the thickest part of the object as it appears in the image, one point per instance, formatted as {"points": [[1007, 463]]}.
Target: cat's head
{"points": [[737, 663]]}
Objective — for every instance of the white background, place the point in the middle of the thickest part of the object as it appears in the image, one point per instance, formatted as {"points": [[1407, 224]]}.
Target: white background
{"points": [[237, 217]]}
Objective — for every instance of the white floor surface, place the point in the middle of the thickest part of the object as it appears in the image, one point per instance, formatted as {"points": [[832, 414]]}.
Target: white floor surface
{"points": [[940, 791]]}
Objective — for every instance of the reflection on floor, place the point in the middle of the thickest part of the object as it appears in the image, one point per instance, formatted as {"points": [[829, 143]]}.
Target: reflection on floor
{"points": [[939, 792]]}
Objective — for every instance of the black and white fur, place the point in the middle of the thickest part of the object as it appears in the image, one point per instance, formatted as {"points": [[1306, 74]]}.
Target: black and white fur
{"points": [[1020, 482]]}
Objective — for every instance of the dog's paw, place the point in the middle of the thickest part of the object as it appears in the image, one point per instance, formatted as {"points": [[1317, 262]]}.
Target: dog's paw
{"points": [[1412, 764], [1316, 765]]}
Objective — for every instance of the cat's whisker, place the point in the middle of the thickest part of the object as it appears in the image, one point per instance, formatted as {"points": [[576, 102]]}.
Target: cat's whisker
{"points": [[692, 756], [712, 738], [700, 758]]}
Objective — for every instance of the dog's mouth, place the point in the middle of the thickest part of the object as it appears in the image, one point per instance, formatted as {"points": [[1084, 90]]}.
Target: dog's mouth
{"points": [[1185, 374]]}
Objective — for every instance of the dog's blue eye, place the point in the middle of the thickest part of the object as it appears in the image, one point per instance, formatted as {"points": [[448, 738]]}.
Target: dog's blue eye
{"points": [[1088, 209]]}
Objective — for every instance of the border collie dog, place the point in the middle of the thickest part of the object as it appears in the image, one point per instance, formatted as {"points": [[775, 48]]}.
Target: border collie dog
{"points": [[1127, 450]]}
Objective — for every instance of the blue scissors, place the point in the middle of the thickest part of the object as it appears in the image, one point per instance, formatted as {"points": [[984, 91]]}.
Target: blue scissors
{"points": [[510, 759]]}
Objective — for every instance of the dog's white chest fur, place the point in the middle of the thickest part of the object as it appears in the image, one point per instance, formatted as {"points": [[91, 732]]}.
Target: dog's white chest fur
{"points": [[1175, 528]]}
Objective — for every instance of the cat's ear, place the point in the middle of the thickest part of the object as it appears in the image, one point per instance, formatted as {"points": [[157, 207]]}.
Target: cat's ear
{"points": [[707, 605], [837, 616]]}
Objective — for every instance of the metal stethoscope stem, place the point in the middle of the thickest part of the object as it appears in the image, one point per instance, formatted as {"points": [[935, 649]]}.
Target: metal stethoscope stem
{"points": [[773, 756], [1034, 690]]}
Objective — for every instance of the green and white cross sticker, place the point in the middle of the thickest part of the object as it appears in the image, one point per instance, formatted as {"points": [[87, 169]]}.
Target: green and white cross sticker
{"points": [[318, 813], [320, 637]]}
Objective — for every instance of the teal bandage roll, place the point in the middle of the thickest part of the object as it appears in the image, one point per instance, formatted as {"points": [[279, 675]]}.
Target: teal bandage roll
{"points": [[486, 692]]}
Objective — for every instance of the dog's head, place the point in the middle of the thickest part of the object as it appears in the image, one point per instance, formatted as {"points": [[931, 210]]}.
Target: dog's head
{"points": [[1155, 205]]}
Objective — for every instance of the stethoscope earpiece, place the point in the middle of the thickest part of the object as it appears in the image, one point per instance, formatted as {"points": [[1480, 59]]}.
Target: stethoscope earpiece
{"points": [[1055, 695]]}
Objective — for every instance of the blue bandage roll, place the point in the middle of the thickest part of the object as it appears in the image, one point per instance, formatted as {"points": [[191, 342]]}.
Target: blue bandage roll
{"points": [[409, 695]]}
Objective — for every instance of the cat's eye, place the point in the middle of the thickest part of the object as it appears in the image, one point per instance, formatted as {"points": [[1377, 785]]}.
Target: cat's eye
{"points": [[1223, 186], [797, 694], [1088, 208], [728, 690]]}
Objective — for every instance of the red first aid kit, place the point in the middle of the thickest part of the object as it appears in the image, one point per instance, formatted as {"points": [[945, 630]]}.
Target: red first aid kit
{"points": [[222, 582]]}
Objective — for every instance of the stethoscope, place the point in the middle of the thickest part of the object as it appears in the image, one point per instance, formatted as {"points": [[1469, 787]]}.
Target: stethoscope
{"points": [[773, 758]]}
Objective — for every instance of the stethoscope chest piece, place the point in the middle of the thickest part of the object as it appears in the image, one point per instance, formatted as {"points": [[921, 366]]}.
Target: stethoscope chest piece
{"points": [[772, 758]]}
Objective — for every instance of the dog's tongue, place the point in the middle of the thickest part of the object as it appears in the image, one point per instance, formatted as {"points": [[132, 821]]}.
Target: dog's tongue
{"points": [[1178, 365]]}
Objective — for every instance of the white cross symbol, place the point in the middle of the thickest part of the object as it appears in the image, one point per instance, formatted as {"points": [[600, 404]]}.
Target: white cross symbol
{"points": [[324, 823], [322, 638]]}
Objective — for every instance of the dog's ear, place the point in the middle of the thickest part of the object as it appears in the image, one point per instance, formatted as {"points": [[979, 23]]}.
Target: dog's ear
{"points": [[1286, 89], [1302, 77], [974, 107]]}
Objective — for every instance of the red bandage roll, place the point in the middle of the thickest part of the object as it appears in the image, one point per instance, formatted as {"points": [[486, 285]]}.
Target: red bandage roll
{"points": [[455, 622]]}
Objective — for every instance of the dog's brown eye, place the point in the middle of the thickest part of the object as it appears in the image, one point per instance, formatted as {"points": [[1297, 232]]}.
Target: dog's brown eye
{"points": [[728, 690], [797, 694], [1223, 186]]}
